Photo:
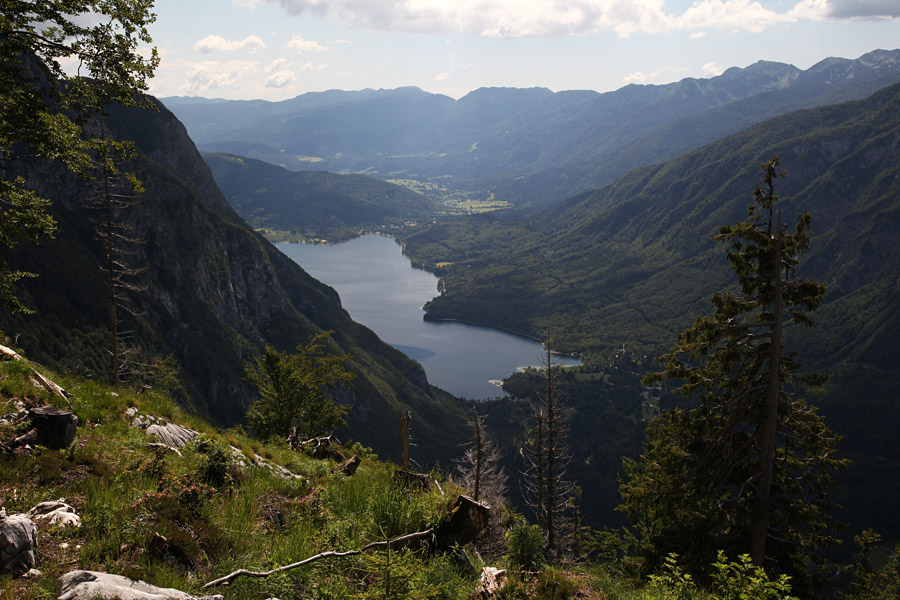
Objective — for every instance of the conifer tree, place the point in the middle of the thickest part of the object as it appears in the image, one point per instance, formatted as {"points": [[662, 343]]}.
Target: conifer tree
{"points": [[295, 390], [749, 468]]}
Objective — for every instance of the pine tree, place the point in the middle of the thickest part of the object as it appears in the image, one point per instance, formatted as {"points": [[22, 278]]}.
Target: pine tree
{"points": [[749, 468], [295, 390]]}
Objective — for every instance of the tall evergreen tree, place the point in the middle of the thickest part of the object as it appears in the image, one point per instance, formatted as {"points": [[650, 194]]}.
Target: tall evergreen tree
{"points": [[749, 468]]}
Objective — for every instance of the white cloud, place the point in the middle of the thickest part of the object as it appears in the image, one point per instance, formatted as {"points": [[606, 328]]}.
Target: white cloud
{"points": [[697, 35], [733, 14], [340, 42], [208, 75], [451, 69], [305, 46], [528, 18], [712, 69], [280, 79], [279, 64], [636, 77], [847, 9], [308, 66], [250, 44]]}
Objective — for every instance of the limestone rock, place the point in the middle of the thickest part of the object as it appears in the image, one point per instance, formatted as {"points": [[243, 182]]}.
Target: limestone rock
{"points": [[18, 544], [55, 513], [172, 435], [91, 585]]}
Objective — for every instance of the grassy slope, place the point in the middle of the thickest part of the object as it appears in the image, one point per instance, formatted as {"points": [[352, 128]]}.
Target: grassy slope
{"points": [[217, 521]]}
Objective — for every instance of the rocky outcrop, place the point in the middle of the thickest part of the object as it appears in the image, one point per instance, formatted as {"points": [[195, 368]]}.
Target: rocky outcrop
{"points": [[18, 544], [93, 585]]}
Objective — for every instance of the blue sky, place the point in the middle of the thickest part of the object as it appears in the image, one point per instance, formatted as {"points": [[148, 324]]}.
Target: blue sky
{"points": [[278, 49]]}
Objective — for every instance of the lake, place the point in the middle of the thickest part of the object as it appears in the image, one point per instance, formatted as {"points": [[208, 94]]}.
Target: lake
{"points": [[380, 289]]}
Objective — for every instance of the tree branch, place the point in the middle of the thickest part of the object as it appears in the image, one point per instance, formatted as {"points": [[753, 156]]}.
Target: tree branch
{"points": [[228, 579]]}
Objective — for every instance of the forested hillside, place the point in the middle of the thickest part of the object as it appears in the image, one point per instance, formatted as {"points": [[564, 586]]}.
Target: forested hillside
{"points": [[313, 204], [209, 291], [631, 264]]}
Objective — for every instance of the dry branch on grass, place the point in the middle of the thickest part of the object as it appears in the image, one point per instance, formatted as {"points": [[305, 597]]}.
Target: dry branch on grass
{"points": [[329, 554]]}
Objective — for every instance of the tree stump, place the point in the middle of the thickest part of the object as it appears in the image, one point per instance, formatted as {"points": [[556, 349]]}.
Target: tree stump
{"points": [[466, 520], [51, 427]]}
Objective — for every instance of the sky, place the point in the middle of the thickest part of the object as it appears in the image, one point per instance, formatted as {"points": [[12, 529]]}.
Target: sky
{"points": [[279, 49]]}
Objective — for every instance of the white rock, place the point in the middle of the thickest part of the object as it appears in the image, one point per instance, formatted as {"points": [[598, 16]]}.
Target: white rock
{"points": [[91, 585], [54, 513]]}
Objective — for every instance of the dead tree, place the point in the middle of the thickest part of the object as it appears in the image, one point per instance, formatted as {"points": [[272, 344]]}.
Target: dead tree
{"points": [[115, 191], [480, 472], [545, 486]]}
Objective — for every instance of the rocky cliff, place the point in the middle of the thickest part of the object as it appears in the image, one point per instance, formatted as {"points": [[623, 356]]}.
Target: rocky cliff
{"points": [[213, 294]]}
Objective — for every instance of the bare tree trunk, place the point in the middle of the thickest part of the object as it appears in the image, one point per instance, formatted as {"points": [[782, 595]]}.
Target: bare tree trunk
{"points": [[767, 441]]}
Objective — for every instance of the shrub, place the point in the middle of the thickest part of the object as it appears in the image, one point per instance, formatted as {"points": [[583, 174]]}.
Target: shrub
{"points": [[526, 546]]}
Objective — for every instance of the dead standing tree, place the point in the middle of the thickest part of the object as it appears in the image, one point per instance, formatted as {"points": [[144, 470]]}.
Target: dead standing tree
{"points": [[482, 475], [115, 191], [544, 483]]}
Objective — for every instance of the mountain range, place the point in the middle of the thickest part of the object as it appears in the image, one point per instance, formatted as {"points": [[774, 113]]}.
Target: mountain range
{"points": [[521, 146]]}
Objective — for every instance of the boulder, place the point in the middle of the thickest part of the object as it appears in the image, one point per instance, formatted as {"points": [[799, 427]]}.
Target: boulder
{"points": [[18, 544], [55, 513], [91, 585]]}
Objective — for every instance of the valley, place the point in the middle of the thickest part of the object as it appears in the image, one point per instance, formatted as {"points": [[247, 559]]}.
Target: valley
{"points": [[639, 343]]}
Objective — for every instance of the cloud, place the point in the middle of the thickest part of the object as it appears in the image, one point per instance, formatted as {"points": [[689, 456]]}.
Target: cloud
{"points": [[712, 69], [531, 18], [847, 9], [207, 75], [308, 66], [451, 69], [697, 35], [305, 46], [636, 77], [278, 64], [732, 14], [280, 79], [250, 44]]}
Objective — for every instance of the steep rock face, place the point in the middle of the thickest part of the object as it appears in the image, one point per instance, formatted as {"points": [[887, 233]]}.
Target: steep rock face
{"points": [[215, 293]]}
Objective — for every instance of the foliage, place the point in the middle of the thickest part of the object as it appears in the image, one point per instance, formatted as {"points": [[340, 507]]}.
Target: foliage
{"points": [[526, 546], [742, 580], [749, 468], [294, 391], [103, 39], [869, 582]]}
